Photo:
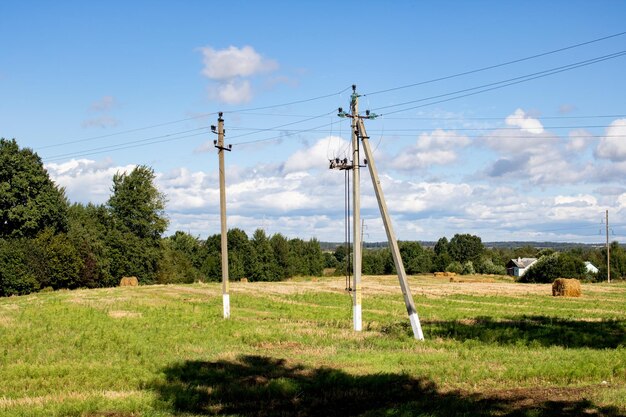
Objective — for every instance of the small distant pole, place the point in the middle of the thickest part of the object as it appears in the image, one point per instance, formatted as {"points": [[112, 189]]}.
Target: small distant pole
{"points": [[608, 250], [219, 144]]}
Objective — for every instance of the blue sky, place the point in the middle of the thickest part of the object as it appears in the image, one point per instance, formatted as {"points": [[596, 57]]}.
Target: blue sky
{"points": [[100, 87]]}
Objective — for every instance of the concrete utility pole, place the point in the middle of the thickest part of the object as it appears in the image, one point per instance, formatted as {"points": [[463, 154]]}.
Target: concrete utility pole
{"points": [[608, 250], [391, 236], [356, 217], [358, 131], [219, 144]]}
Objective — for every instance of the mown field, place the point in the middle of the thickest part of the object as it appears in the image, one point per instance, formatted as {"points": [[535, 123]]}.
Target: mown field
{"points": [[493, 348]]}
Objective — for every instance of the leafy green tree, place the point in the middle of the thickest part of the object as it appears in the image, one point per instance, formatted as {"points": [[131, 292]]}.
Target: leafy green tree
{"points": [[58, 262], [329, 260], [188, 245], [466, 247], [175, 266], [314, 258], [373, 262], [340, 253], [416, 259], [239, 254], [441, 246], [553, 266], [210, 253], [87, 232], [29, 200], [263, 264], [137, 205], [455, 266], [442, 256], [138, 221], [16, 273], [280, 246]]}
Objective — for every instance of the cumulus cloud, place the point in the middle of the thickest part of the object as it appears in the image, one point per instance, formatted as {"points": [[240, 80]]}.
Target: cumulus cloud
{"points": [[532, 154], [579, 139], [316, 156], [86, 180], [234, 62], [232, 91], [231, 69], [526, 123], [613, 145], [435, 148]]}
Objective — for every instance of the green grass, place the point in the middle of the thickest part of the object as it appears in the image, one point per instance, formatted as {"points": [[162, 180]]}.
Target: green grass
{"points": [[492, 349]]}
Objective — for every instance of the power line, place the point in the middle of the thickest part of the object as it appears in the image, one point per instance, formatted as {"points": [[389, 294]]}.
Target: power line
{"points": [[202, 115], [291, 103], [505, 83], [123, 132], [496, 66], [461, 118], [128, 145], [448, 129]]}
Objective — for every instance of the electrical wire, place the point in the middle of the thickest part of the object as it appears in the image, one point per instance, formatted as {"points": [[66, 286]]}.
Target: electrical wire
{"points": [[128, 145], [502, 83], [496, 66]]}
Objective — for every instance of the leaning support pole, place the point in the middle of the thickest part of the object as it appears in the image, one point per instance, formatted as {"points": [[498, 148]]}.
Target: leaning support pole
{"points": [[391, 237]]}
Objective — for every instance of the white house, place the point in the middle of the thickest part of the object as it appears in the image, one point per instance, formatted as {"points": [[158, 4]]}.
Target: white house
{"points": [[517, 267], [591, 268]]}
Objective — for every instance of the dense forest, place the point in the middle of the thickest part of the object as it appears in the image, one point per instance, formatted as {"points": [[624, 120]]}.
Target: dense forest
{"points": [[48, 243]]}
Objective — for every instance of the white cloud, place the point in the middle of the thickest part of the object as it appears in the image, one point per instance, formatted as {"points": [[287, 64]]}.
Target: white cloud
{"points": [[526, 123], [234, 62], [613, 145], [579, 139], [86, 180], [435, 148], [231, 69], [318, 155], [232, 91]]}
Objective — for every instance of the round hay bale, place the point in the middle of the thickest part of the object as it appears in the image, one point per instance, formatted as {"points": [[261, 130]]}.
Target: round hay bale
{"points": [[563, 287], [129, 282]]}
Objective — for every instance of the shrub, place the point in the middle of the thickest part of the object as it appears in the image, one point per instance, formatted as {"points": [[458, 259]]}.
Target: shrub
{"points": [[468, 268], [455, 266]]}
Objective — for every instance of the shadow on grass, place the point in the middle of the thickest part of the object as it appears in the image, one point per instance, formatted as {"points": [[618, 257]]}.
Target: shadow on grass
{"points": [[534, 330], [262, 386]]}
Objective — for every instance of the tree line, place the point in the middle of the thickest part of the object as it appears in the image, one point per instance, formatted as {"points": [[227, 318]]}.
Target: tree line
{"points": [[48, 242]]}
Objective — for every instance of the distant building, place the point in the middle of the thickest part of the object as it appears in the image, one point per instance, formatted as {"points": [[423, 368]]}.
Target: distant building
{"points": [[591, 267], [517, 267]]}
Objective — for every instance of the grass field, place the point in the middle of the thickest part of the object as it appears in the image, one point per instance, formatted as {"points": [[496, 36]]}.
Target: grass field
{"points": [[493, 348]]}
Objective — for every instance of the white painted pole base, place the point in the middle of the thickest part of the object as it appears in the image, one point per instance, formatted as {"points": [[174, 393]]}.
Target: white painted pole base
{"points": [[226, 302], [356, 314], [417, 327]]}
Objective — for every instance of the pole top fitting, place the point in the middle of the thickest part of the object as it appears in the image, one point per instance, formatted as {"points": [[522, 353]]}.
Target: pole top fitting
{"points": [[353, 87], [220, 114]]}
